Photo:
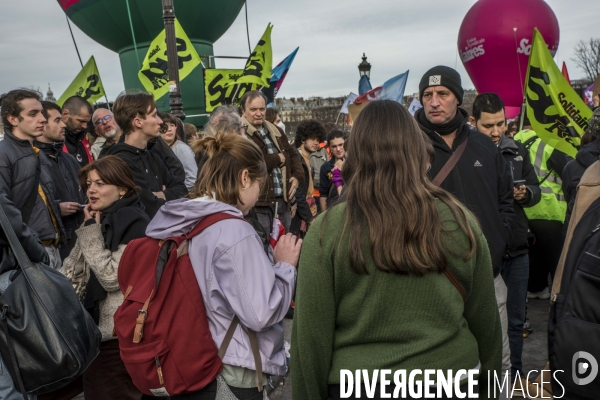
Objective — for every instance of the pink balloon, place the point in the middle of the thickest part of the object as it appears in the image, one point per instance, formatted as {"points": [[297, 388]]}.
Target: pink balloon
{"points": [[494, 43]]}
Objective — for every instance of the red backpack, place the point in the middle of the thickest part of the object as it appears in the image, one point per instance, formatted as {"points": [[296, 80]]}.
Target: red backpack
{"points": [[162, 328]]}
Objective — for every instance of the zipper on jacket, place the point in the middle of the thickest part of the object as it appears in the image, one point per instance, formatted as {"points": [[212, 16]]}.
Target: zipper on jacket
{"points": [[161, 379]]}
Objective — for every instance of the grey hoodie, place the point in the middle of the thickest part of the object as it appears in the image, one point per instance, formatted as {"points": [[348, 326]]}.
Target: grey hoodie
{"points": [[235, 278]]}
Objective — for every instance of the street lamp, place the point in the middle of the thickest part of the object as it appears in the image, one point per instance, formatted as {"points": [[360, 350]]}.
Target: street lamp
{"points": [[364, 68], [175, 103]]}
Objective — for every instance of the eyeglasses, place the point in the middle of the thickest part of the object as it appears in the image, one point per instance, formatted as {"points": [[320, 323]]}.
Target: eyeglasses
{"points": [[104, 119]]}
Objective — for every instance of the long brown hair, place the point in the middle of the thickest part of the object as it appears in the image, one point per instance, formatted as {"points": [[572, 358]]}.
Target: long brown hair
{"points": [[228, 156], [113, 171], [387, 192]]}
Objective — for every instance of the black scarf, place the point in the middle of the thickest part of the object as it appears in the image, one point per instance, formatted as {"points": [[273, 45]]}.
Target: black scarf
{"points": [[122, 222], [444, 129]]}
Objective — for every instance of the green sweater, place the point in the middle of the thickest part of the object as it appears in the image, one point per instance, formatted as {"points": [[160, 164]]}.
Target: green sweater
{"points": [[382, 320]]}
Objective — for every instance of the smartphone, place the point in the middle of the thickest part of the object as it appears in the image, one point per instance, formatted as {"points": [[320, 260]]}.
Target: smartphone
{"points": [[519, 182]]}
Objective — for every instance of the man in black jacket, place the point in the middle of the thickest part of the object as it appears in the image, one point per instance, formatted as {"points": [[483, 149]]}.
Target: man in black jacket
{"points": [[489, 119], [480, 179], [76, 114], [588, 153], [64, 168], [137, 116], [26, 183]]}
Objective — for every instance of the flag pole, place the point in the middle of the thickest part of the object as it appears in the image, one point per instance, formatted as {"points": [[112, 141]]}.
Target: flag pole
{"points": [[524, 105], [237, 89], [338, 117], [75, 43], [137, 57]]}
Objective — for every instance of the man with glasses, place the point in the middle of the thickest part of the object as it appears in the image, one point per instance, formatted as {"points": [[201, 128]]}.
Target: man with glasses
{"points": [[107, 130], [76, 114]]}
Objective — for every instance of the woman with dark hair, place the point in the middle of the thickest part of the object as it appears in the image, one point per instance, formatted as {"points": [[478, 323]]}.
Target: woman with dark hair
{"points": [[406, 284], [183, 152], [113, 217], [234, 274]]}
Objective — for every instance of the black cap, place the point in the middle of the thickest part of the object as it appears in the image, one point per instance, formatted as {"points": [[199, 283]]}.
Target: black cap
{"points": [[442, 76]]}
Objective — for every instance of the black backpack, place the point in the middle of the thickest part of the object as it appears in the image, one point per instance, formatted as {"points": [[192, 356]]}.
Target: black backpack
{"points": [[574, 321]]}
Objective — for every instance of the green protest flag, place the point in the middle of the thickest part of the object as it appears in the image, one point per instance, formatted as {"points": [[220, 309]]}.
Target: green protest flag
{"points": [[557, 114], [259, 64], [86, 84], [154, 73], [220, 85]]}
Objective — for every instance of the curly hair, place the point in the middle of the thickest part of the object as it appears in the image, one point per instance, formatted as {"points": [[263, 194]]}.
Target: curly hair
{"points": [[10, 103], [309, 129]]}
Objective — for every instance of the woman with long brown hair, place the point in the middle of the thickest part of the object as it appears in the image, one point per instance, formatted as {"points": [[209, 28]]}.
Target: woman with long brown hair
{"points": [[113, 217], [405, 283]]}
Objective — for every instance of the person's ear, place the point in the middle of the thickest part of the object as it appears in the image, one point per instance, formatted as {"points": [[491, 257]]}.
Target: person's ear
{"points": [[472, 121], [14, 121], [137, 122], [245, 179]]}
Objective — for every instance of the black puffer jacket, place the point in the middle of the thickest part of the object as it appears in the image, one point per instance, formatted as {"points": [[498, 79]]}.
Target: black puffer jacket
{"points": [[64, 168], [150, 173], [481, 181], [573, 172], [517, 157]]}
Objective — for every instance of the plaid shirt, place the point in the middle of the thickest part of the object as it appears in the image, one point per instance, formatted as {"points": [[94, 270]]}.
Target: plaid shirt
{"points": [[277, 175]]}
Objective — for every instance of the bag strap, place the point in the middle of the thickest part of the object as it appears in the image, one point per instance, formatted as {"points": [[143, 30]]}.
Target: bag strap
{"points": [[253, 345], [447, 168], [456, 284], [22, 259], [30, 203]]}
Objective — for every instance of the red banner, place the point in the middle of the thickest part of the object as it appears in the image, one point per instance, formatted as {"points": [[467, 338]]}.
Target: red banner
{"points": [[66, 4]]}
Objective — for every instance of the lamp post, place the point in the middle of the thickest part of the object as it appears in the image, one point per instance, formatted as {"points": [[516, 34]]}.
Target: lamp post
{"points": [[364, 68], [175, 103]]}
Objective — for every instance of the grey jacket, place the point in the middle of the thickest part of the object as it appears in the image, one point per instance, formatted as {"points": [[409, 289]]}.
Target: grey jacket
{"points": [[235, 278]]}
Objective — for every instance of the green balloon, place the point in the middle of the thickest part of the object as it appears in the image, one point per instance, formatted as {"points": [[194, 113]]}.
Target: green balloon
{"points": [[107, 22]]}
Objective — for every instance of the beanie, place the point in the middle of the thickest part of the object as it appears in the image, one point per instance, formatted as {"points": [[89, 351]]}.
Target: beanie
{"points": [[442, 76]]}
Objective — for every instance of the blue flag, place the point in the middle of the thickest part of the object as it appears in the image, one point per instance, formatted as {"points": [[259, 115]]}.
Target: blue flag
{"points": [[364, 85], [278, 74]]}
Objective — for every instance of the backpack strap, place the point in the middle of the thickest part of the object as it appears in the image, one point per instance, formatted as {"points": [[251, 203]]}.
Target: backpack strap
{"points": [[456, 284], [208, 221], [447, 168], [253, 345]]}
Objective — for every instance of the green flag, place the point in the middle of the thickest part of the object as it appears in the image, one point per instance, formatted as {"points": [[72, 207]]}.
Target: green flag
{"points": [[557, 114], [86, 84], [154, 73], [220, 85], [259, 64]]}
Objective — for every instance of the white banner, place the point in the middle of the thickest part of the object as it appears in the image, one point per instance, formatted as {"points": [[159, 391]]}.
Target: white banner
{"points": [[414, 106], [349, 100]]}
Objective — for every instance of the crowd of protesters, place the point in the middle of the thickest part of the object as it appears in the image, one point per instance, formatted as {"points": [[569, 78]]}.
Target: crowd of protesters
{"points": [[422, 237]]}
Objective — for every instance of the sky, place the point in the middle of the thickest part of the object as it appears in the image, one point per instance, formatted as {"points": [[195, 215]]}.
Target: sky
{"points": [[396, 35]]}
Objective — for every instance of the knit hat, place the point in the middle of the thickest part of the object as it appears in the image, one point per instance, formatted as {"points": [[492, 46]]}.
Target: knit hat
{"points": [[442, 76]]}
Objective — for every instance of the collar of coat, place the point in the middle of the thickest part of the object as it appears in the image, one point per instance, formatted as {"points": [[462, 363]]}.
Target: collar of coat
{"points": [[272, 129]]}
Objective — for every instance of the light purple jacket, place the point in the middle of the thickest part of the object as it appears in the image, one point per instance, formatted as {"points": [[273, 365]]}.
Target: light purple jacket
{"points": [[235, 277]]}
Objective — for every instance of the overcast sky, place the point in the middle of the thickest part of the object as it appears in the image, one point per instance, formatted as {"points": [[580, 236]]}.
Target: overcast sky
{"points": [[396, 35]]}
